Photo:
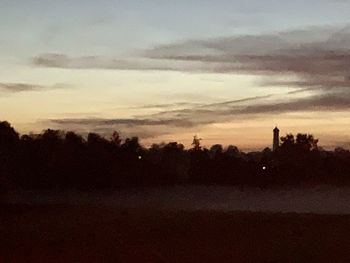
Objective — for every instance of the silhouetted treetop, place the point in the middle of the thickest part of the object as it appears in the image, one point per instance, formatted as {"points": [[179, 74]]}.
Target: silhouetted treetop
{"points": [[8, 136], [302, 142], [196, 143]]}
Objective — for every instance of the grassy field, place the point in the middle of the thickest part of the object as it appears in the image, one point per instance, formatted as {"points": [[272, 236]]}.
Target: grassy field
{"points": [[58, 233]]}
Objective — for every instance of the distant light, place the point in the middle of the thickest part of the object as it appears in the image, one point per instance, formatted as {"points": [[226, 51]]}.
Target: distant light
{"points": [[264, 167], [140, 157]]}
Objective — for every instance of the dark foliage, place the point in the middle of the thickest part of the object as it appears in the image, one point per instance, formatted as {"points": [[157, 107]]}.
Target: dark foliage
{"points": [[65, 160]]}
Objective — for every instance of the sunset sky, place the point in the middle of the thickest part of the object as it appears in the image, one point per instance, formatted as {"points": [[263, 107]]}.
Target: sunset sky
{"points": [[228, 71]]}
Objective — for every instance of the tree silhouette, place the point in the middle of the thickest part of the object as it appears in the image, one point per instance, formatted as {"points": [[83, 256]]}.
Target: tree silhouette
{"points": [[306, 142], [196, 143], [287, 142], [216, 150], [8, 136], [303, 142], [60, 160], [115, 139]]}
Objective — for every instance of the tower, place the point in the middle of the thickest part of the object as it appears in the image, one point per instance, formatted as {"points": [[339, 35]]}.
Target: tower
{"points": [[276, 138]]}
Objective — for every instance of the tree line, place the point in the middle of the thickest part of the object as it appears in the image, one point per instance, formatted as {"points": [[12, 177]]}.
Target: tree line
{"points": [[58, 160]]}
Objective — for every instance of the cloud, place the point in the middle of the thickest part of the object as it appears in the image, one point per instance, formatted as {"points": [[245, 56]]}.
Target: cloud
{"points": [[152, 125], [165, 105], [23, 87], [313, 60], [317, 57], [169, 121], [325, 102], [316, 61], [56, 60], [231, 102], [144, 128], [53, 60], [250, 109], [124, 122]]}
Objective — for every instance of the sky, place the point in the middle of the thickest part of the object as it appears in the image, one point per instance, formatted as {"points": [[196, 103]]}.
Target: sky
{"points": [[227, 71]]}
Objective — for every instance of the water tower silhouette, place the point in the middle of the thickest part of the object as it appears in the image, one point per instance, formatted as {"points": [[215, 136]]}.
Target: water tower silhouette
{"points": [[276, 138]]}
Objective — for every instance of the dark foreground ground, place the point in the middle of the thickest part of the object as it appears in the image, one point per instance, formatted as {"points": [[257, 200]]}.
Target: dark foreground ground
{"points": [[58, 233]]}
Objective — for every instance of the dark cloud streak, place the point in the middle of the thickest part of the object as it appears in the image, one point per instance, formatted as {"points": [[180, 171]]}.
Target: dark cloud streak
{"points": [[166, 121], [316, 56], [25, 87]]}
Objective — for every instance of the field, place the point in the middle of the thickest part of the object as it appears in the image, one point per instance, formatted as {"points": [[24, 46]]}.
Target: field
{"points": [[91, 233]]}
